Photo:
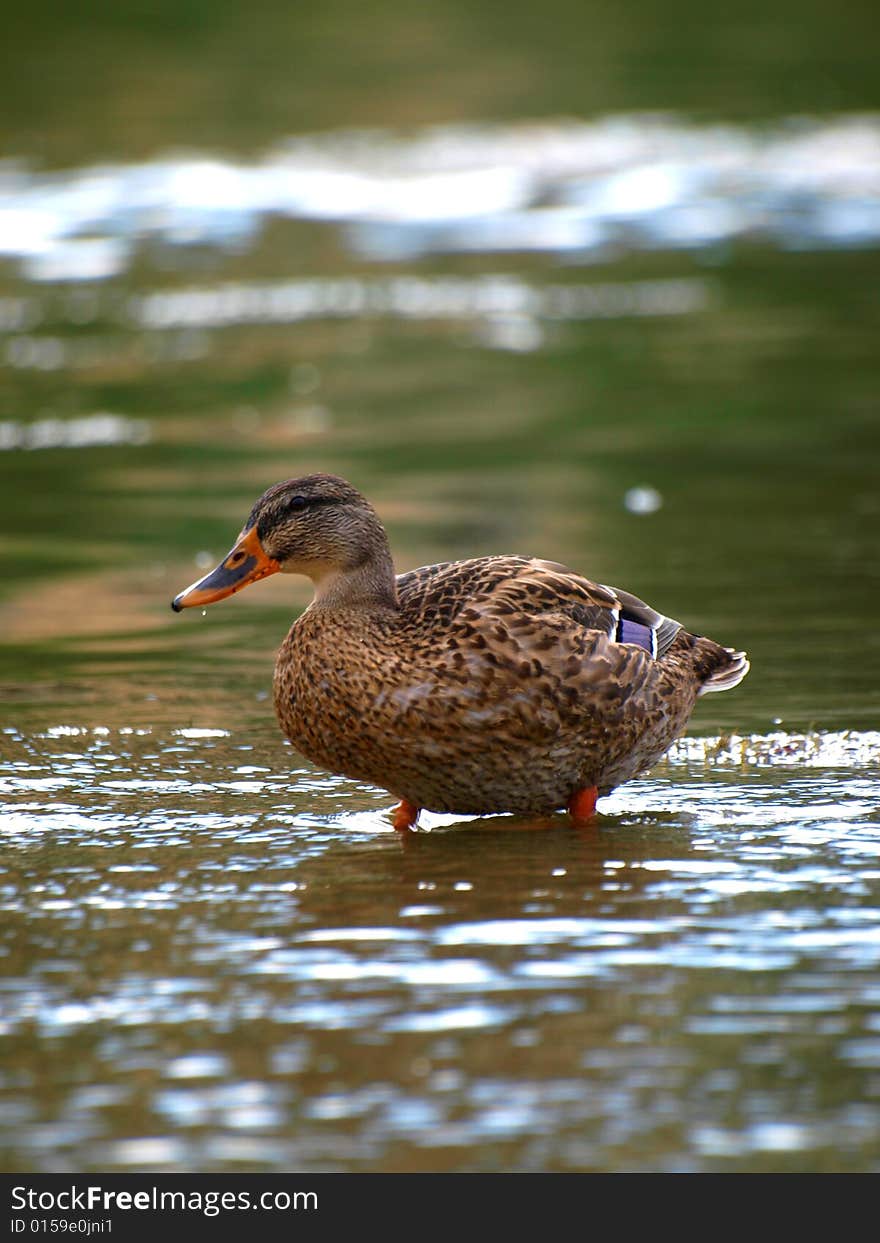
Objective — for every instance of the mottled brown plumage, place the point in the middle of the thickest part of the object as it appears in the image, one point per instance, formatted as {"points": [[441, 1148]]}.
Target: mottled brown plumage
{"points": [[499, 684]]}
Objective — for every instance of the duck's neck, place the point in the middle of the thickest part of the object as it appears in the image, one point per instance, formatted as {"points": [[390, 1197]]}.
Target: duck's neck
{"points": [[370, 585]]}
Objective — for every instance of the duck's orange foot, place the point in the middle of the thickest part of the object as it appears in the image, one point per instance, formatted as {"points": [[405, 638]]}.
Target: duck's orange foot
{"points": [[405, 816], [582, 804]]}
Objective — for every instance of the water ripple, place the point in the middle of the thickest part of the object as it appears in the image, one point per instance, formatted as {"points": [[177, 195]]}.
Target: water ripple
{"points": [[244, 958], [588, 189]]}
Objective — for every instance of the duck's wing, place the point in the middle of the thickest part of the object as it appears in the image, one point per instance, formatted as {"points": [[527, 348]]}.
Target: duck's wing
{"points": [[516, 648], [507, 652], [523, 594]]}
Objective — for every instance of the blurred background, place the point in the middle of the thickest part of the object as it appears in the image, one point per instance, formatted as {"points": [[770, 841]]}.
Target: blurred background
{"points": [[589, 281], [503, 269]]}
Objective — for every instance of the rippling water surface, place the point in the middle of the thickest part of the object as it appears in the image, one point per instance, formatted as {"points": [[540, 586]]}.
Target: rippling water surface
{"points": [[562, 188], [217, 958]]}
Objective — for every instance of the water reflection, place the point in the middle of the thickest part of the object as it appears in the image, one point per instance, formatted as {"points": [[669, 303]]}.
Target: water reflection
{"points": [[504, 312], [211, 962], [589, 190]]}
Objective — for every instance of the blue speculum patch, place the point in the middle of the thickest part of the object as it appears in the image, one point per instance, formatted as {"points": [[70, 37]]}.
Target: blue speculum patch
{"points": [[634, 632]]}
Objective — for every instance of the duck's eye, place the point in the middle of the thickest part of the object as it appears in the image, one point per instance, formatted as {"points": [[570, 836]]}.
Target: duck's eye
{"points": [[297, 502]]}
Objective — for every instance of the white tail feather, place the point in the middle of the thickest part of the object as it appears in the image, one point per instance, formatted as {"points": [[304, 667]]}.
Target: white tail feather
{"points": [[731, 675]]}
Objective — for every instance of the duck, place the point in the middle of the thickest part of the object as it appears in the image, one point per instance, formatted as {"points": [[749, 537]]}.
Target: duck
{"points": [[497, 684]]}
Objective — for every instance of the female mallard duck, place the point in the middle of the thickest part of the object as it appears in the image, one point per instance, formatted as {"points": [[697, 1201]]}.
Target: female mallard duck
{"points": [[491, 685]]}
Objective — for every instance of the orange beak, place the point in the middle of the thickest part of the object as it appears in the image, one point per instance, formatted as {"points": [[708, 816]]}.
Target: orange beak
{"points": [[246, 563]]}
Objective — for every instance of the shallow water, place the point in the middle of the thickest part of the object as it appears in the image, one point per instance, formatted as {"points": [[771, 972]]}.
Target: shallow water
{"points": [[216, 958], [540, 284]]}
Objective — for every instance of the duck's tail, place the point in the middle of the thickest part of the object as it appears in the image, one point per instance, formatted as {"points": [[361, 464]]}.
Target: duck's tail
{"points": [[727, 673]]}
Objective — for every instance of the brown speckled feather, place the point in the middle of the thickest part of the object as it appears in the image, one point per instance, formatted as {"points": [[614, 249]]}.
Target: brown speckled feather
{"points": [[497, 686]]}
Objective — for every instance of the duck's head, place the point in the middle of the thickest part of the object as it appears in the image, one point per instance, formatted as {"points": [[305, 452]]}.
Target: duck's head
{"points": [[319, 526]]}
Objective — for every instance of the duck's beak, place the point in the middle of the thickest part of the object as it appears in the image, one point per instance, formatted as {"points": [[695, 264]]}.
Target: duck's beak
{"points": [[246, 563]]}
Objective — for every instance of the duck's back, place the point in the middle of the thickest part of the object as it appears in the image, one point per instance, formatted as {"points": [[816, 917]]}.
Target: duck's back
{"points": [[499, 684]]}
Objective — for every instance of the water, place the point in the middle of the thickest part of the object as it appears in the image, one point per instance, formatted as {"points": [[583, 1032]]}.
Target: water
{"points": [[218, 959], [587, 191], [576, 297]]}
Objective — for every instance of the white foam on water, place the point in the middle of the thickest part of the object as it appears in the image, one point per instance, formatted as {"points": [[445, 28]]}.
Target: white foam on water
{"points": [[822, 749], [591, 189]]}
